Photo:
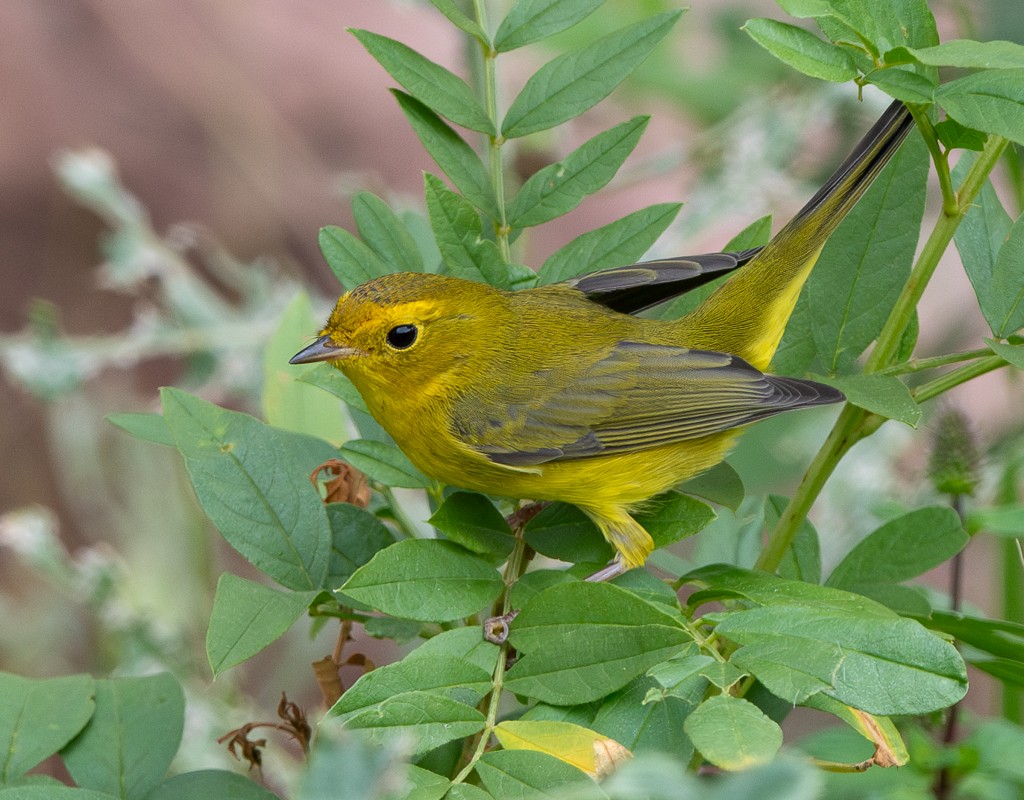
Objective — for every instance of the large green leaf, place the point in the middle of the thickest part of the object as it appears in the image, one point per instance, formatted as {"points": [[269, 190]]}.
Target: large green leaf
{"points": [[560, 187], [249, 481], [885, 667], [351, 261], [383, 462], [733, 734], [133, 735], [980, 237], [573, 82], [210, 783], [356, 536], [39, 717], [456, 663], [459, 233], [963, 53], [247, 617], [1005, 304], [384, 232], [621, 242], [581, 641], [528, 775], [990, 101], [802, 50], [885, 395], [532, 20], [456, 159], [423, 720], [428, 82], [901, 549], [471, 520], [425, 579]]}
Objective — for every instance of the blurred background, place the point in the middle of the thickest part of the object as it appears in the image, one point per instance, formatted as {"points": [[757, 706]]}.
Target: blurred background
{"points": [[164, 169]]}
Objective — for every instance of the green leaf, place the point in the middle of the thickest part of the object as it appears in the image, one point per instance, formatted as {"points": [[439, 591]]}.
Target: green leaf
{"points": [[527, 775], [143, 425], [445, 675], [423, 720], [885, 395], [955, 136], [651, 727], [888, 667], [456, 159], [673, 516], [471, 520], [383, 231], [903, 84], [39, 717], [1000, 638], [733, 734], [466, 791], [357, 535], [50, 790], [896, 23], [129, 743], [721, 485], [802, 50], [351, 261], [1005, 520], [980, 236], [564, 532], [802, 561], [621, 242], [428, 82], [426, 580], [963, 53], [1005, 303], [383, 462], [569, 84], [460, 20], [581, 641], [560, 187], [788, 678], [989, 101], [1011, 353], [247, 617], [459, 235], [532, 20], [210, 783], [332, 380], [901, 549], [288, 402], [252, 487], [861, 271]]}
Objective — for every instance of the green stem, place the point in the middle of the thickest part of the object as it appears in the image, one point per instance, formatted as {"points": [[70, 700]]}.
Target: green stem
{"points": [[514, 568], [923, 364], [944, 383], [496, 141], [844, 434], [939, 239], [939, 158]]}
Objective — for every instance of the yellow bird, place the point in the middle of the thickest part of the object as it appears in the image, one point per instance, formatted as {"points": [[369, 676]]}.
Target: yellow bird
{"points": [[558, 393]]}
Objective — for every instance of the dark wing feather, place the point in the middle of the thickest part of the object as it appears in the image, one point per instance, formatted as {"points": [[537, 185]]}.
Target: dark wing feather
{"points": [[639, 286], [637, 397]]}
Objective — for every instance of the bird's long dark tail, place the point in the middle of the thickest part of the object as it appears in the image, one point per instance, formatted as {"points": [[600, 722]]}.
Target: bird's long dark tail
{"points": [[748, 314]]}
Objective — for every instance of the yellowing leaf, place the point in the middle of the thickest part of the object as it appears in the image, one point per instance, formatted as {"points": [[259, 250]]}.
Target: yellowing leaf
{"points": [[581, 747], [890, 751]]}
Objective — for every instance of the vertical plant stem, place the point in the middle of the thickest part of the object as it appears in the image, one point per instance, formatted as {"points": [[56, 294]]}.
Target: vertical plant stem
{"points": [[928, 260], [501, 228], [514, 568], [1012, 583]]}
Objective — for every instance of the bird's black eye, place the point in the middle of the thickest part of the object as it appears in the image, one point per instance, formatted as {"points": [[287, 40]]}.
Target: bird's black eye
{"points": [[401, 337]]}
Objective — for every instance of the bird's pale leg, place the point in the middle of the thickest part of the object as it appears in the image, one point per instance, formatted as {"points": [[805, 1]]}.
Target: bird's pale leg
{"points": [[613, 570]]}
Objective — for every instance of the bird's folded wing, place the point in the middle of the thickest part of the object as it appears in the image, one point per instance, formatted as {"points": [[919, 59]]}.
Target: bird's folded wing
{"points": [[636, 397], [639, 286]]}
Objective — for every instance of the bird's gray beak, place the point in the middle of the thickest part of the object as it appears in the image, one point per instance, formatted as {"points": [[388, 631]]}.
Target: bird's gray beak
{"points": [[323, 349]]}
